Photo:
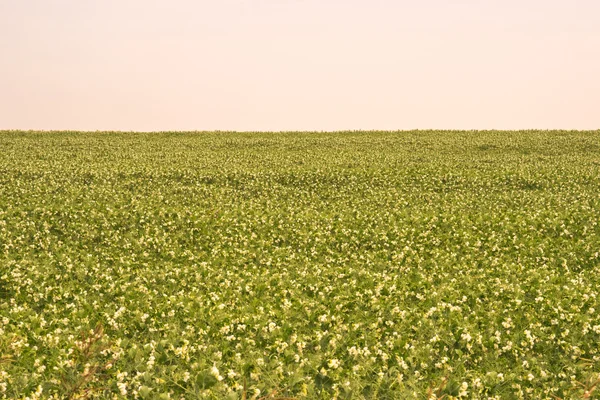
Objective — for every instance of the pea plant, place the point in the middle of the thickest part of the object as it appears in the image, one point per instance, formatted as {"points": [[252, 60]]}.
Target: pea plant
{"points": [[348, 265]]}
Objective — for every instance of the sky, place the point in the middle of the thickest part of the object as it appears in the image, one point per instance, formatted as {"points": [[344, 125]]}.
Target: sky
{"points": [[274, 65]]}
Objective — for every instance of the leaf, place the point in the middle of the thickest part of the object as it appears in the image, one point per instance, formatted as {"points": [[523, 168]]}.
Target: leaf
{"points": [[205, 380], [145, 391]]}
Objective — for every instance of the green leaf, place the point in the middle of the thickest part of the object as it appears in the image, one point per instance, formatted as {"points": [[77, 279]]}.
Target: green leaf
{"points": [[205, 380]]}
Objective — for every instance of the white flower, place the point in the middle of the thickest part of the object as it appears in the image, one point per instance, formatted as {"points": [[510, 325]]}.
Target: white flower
{"points": [[214, 371], [122, 388]]}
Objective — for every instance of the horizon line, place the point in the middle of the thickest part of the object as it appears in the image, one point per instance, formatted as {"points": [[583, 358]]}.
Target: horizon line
{"points": [[295, 131]]}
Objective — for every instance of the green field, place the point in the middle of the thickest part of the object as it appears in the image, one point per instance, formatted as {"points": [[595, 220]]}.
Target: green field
{"points": [[384, 265]]}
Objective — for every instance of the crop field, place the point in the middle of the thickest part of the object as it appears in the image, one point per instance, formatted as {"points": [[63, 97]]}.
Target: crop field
{"points": [[377, 265]]}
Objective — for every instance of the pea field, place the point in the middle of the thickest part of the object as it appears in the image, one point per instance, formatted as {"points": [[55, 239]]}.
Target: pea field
{"points": [[347, 265]]}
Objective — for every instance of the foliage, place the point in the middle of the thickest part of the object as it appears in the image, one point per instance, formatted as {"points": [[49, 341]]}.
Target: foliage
{"points": [[388, 265]]}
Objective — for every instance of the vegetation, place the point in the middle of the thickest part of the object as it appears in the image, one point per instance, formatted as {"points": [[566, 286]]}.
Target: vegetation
{"points": [[388, 265]]}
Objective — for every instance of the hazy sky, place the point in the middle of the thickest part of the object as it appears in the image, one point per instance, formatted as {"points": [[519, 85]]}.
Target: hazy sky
{"points": [[299, 64]]}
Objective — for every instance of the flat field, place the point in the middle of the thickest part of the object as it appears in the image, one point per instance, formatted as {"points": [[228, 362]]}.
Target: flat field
{"points": [[387, 265]]}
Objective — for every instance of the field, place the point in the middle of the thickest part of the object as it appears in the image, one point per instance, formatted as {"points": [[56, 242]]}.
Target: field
{"points": [[385, 265]]}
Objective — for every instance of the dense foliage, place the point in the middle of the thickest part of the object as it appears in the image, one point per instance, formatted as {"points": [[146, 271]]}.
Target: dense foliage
{"points": [[383, 265]]}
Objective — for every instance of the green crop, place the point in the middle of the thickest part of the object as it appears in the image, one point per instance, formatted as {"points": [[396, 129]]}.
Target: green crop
{"points": [[384, 265]]}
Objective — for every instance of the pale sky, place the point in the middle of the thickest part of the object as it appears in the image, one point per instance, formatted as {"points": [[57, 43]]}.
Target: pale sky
{"points": [[151, 65]]}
